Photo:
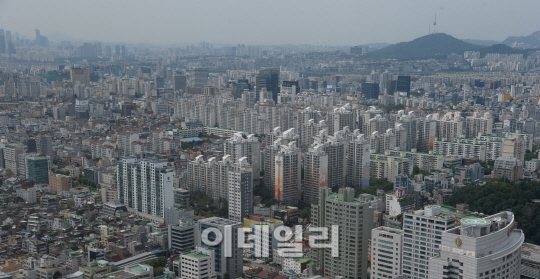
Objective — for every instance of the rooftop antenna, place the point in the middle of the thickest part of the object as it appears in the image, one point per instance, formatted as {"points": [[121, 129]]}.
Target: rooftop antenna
{"points": [[435, 23]]}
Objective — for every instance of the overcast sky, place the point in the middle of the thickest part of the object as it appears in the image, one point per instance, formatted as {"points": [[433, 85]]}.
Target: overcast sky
{"points": [[320, 22]]}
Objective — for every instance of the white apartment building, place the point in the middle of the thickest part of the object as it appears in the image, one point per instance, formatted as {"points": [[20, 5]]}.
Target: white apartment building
{"points": [[149, 193], [465, 150], [265, 244], [287, 174], [340, 118], [28, 195], [358, 162], [449, 126], [335, 147], [11, 157], [224, 263], [425, 161], [386, 248], [274, 141], [241, 191], [422, 230], [237, 147], [388, 166], [212, 176], [315, 173], [478, 123], [124, 140]]}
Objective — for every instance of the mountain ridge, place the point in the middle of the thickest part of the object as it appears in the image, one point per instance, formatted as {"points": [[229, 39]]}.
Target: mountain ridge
{"points": [[533, 39], [436, 45]]}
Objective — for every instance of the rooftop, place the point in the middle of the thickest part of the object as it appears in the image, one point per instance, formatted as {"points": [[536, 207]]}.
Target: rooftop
{"points": [[475, 221], [196, 255], [138, 268]]}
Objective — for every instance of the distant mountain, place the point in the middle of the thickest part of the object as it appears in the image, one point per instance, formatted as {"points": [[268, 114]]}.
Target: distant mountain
{"points": [[481, 42], [58, 37], [533, 40], [377, 45], [434, 46]]}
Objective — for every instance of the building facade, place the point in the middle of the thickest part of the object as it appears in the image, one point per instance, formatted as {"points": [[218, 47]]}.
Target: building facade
{"points": [[354, 220], [480, 248], [145, 185], [228, 257], [241, 191], [386, 245], [422, 239]]}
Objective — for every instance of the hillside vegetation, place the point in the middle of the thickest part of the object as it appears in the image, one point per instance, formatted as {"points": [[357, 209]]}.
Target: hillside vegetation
{"points": [[435, 46], [496, 196]]}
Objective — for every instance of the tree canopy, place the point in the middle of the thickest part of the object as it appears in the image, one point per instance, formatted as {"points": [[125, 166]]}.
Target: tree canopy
{"points": [[496, 196], [205, 206], [374, 185], [159, 262]]}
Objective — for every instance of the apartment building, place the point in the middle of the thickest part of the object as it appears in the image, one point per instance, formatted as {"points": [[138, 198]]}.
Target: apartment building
{"points": [[422, 239], [386, 249], [151, 191], [354, 220]]}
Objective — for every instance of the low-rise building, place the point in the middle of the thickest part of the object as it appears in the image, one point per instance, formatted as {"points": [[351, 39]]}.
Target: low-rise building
{"points": [[137, 271], [530, 261], [532, 165], [95, 268], [295, 264], [28, 195], [198, 264], [59, 182]]}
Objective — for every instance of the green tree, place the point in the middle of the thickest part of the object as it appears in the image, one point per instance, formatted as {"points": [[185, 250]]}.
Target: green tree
{"points": [[306, 213], [158, 271], [374, 185], [227, 276], [156, 263], [500, 195], [57, 275]]}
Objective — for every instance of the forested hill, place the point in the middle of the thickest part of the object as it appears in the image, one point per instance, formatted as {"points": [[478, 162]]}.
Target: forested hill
{"points": [[497, 196], [435, 46]]}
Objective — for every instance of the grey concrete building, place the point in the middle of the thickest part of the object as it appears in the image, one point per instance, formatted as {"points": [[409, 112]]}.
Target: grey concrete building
{"points": [[422, 239], [386, 245], [355, 220]]}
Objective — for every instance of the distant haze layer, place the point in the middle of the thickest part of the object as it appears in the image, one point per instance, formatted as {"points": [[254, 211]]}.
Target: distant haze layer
{"points": [[275, 22]]}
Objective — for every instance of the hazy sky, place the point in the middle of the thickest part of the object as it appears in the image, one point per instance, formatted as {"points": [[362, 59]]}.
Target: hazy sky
{"points": [[321, 22]]}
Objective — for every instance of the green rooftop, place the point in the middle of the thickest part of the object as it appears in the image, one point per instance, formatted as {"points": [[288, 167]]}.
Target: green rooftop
{"points": [[94, 267], [137, 268], [196, 255], [303, 260], [448, 209]]}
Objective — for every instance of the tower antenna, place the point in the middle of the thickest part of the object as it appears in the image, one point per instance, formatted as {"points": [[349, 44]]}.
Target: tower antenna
{"points": [[435, 23]]}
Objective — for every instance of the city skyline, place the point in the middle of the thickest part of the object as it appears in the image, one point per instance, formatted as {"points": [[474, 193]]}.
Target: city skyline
{"points": [[336, 24]]}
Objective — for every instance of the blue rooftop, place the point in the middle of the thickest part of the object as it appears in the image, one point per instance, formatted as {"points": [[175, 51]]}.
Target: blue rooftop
{"points": [[193, 139]]}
